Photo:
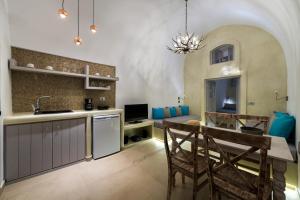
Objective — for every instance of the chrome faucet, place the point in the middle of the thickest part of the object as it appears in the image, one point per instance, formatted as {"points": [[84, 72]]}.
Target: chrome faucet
{"points": [[36, 108]]}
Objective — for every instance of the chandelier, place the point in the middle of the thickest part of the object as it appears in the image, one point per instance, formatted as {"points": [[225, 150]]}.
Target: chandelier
{"points": [[187, 42]]}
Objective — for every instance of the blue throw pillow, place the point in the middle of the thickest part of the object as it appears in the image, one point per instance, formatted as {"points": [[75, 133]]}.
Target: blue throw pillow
{"points": [[158, 113], [283, 126], [173, 111], [185, 110], [280, 114]]}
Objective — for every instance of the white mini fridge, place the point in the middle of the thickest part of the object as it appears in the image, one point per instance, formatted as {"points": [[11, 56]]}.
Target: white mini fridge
{"points": [[106, 135]]}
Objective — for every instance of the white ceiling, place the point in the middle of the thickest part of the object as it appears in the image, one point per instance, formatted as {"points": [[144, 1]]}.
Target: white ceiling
{"points": [[133, 34]]}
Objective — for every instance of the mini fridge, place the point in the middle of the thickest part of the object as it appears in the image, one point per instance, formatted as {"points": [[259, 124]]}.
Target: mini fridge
{"points": [[106, 135]]}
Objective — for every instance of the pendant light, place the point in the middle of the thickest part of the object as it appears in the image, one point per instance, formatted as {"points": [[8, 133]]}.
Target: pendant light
{"points": [[187, 42], [77, 39], [93, 26], [62, 12]]}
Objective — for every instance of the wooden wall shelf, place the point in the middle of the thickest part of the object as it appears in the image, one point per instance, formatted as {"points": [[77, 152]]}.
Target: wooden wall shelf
{"points": [[85, 76], [45, 71]]}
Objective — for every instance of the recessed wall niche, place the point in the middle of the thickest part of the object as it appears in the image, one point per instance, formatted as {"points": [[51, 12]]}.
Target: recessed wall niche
{"points": [[223, 53]]}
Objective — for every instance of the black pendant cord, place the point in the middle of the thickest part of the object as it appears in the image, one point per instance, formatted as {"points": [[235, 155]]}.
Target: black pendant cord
{"points": [[78, 20], [93, 12], [186, 16], [62, 4]]}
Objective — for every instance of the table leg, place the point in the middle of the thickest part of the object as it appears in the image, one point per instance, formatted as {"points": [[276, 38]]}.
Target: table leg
{"points": [[279, 168]]}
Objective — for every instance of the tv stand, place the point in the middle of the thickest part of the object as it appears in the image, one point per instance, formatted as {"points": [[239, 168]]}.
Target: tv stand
{"points": [[138, 128], [135, 122]]}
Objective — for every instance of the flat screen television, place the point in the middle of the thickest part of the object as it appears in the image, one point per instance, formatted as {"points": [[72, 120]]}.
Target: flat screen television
{"points": [[136, 112]]}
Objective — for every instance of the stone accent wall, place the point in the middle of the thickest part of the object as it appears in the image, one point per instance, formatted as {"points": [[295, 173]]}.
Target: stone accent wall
{"points": [[65, 92]]}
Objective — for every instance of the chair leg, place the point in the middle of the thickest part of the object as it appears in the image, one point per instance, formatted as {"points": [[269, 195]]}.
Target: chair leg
{"points": [[219, 197], [174, 179], [183, 179], [195, 188], [170, 180]]}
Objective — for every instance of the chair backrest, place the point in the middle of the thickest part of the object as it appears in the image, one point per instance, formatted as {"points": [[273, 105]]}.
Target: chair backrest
{"points": [[254, 143], [180, 133], [217, 119]]}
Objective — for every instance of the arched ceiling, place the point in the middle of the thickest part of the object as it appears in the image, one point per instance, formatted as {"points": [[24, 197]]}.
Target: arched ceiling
{"points": [[133, 34]]}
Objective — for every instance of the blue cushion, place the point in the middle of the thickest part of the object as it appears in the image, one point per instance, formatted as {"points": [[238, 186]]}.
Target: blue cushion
{"points": [[185, 110], [173, 111], [280, 114], [158, 113], [283, 126]]}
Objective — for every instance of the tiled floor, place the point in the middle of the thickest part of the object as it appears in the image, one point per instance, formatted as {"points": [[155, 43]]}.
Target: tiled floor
{"points": [[137, 173]]}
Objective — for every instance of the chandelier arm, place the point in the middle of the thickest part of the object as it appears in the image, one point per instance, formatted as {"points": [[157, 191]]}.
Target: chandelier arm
{"points": [[174, 40], [190, 38]]}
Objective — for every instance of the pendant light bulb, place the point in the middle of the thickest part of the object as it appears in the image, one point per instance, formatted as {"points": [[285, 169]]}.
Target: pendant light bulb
{"points": [[93, 28], [62, 12], [77, 40]]}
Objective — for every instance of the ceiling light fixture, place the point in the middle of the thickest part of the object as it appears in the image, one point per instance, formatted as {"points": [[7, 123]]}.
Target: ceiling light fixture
{"points": [[62, 12], [93, 26], [77, 39], [187, 42]]}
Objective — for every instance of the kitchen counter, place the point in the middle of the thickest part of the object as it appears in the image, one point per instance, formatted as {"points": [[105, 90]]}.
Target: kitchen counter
{"points": [[23, 118], [29, 117]]}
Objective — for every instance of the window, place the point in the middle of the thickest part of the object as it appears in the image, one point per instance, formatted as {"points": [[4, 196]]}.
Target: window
{"points": [[223, 53]]}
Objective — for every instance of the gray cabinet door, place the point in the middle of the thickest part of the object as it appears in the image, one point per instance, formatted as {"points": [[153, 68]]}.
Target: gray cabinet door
{"points": [[11, 152], [36, 148], [73, 140], [47, 146], [77, 139], [57, 127], [61, 143], [41, 147], [81, 139], [24, 150], [65, 142]]}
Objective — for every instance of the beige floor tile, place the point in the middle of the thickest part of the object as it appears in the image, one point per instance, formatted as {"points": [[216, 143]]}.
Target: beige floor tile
{"points": [[137, 173]]}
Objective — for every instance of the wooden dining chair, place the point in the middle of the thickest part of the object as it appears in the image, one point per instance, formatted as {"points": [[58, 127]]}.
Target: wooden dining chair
{"points": [[188, 163], [227, 178]]}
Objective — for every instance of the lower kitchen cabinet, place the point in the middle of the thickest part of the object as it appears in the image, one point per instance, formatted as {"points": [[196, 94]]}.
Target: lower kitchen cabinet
{"points": [[41, 147], [33, 148], [68, 141]]}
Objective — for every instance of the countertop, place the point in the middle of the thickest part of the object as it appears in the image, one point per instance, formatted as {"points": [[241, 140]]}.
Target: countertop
{"points": [[29, 117]]}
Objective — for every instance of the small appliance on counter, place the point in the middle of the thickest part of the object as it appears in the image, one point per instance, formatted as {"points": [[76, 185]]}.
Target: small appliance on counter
{"points": [[88, 104], [103, 105]]}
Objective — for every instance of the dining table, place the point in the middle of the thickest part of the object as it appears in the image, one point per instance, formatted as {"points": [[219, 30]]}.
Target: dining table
{"points": [[278, 157]]}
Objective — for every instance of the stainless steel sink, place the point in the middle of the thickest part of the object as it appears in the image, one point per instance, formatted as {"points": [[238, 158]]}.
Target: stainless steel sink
{"points": [[52, 112]]}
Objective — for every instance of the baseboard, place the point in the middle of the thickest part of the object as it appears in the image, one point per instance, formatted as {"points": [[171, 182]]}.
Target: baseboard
{"points": [[2, 187]]}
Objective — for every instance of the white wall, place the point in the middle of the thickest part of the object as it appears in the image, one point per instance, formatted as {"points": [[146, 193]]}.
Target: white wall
{"points": [[132, 36], [5, 94]]}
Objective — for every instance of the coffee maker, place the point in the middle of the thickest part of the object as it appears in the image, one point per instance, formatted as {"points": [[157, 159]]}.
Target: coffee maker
{"points": [[88, 104]]}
